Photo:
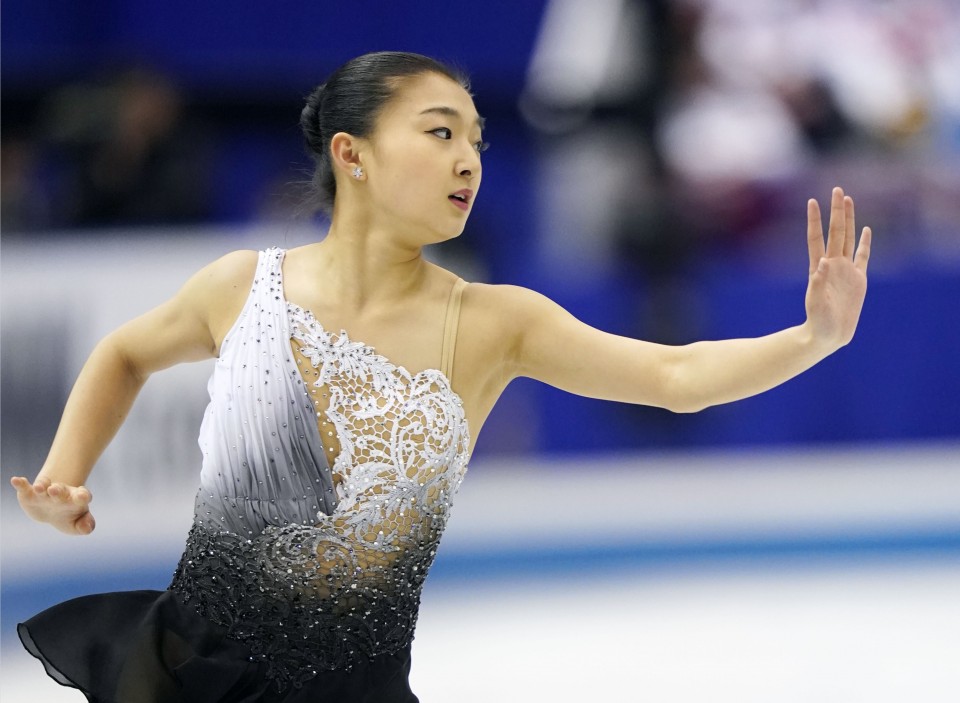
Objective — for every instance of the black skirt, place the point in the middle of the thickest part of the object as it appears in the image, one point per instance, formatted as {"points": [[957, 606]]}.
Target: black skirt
{"points": [[147, 647]]}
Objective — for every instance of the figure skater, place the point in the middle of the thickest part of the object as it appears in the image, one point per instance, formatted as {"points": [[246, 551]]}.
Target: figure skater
{"points": [[351, 381]]}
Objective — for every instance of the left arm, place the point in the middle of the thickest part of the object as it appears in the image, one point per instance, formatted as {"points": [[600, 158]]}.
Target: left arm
{"points": [[551, 345]]}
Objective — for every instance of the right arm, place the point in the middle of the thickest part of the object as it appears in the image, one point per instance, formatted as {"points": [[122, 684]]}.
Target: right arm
{"points": [[188, 327]]}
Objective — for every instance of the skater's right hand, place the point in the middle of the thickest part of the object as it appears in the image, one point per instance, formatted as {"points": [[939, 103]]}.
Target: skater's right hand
{"points": [[64, 507]]}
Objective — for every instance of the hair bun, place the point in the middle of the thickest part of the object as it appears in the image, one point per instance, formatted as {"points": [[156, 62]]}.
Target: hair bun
{"points": [[349, 101], [310, 120]]}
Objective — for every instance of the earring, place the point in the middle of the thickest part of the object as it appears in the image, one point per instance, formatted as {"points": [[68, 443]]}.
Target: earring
{"points": [[357, 172]]}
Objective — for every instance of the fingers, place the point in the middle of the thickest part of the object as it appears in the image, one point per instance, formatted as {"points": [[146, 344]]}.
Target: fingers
{"points": [[68, 494], [44, 487], [814, 234], [86, 524], [849, 227], [27, 490], [841, 232], [835, 231], [862, 257]]}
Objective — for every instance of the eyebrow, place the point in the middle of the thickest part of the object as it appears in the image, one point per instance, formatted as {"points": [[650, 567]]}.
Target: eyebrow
{"points": [[449, 111]]}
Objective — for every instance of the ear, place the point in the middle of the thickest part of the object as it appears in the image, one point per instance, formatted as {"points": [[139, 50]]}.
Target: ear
{"points": [[345, 152]]}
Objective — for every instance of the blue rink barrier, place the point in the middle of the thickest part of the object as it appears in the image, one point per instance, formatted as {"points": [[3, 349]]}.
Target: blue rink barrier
{"points": [[21, 599]]}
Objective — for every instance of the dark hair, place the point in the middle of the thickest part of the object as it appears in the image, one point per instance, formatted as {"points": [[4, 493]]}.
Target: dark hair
{"points": [[351, 100]]}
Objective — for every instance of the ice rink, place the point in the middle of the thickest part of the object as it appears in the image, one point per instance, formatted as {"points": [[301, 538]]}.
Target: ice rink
{"points": [[759, 576]]}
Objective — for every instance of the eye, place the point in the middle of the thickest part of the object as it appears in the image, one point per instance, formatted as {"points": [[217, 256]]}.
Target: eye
{"points": [[480, 146]]}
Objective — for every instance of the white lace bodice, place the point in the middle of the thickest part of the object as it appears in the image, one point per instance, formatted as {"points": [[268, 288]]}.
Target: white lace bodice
{"points": [[400, 434], [327, 480]]}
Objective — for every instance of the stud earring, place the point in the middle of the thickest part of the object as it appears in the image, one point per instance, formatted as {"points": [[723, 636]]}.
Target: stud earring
{"points": [[357, 172]]}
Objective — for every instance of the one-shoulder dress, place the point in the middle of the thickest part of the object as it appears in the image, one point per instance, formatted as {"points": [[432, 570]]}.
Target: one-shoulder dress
{"points": [[327, 479]]}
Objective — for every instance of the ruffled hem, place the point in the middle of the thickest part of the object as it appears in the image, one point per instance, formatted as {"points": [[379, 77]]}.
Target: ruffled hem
{"points": [[146, 647]]}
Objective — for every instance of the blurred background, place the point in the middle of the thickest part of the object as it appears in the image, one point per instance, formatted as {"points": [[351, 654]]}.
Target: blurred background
{"points": [[649, 169]]}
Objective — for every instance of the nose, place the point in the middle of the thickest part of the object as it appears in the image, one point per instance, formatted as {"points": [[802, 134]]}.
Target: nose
{"points": [[469, 164]]}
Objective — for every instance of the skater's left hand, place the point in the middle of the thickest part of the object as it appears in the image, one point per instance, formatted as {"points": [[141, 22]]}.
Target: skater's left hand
{"points": [[838, 272]]}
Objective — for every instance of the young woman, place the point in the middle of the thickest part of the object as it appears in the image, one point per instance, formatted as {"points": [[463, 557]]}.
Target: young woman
{"points": [[351, 382]]}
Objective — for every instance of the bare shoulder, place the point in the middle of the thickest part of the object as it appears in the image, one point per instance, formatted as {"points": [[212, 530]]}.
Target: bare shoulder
{"points": [[513, 306], [220, 279], [190, 325], [220, 290], [500, 315], [231, 271]]}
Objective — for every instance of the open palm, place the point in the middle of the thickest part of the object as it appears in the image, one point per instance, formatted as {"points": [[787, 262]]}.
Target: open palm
{"points": [[838, 271]]}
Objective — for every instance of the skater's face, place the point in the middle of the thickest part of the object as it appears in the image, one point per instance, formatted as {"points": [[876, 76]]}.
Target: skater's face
{"points": [[425, 148]]}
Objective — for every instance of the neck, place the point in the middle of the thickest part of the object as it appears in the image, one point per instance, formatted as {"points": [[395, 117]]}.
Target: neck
{"points": [[366, 266]]}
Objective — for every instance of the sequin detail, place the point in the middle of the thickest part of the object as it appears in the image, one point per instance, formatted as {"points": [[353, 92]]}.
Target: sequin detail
{"points": [[314, 567]]}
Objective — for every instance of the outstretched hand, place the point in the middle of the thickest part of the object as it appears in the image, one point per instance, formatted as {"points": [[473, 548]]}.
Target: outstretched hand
{"points": [[838, 272], [64, 507]]}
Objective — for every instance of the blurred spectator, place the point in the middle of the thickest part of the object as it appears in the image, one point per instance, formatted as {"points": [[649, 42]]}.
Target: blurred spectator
{"points": [[132, 157], [725, 115], [601, 79], [24, 202]]}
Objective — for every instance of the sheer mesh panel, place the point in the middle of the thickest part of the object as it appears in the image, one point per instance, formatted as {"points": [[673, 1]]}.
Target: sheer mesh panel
{"points": [[310, 597]]}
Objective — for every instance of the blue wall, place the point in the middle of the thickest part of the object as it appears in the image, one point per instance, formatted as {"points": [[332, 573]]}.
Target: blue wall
{"points": [[265, 47], [897, 380]]}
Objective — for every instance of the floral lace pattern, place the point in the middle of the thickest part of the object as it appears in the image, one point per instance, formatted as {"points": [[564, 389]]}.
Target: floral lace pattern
{"points": [[306, 597], [395, 430]]}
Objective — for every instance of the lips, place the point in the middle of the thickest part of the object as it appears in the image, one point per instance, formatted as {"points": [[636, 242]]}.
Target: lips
{"points": [[461, 198]]}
